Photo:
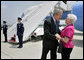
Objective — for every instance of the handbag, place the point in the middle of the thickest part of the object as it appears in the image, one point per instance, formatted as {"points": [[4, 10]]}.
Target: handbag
{"points": [[60, 48]]}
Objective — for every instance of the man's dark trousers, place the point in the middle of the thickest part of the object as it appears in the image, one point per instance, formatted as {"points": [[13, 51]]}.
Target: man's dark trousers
{"points": [[52, 53], [5, 35], [20, 37]]}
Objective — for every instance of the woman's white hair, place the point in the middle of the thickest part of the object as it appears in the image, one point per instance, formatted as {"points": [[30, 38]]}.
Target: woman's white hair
{"points": [[72, 17]]}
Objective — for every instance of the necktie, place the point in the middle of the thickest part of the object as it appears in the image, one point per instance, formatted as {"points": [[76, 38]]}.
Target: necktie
{"points": [[56, 26]]}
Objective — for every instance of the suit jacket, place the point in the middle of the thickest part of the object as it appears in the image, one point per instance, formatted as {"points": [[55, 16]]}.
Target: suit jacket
{"points": [[5, 27], [20, 29], [49, 40]]}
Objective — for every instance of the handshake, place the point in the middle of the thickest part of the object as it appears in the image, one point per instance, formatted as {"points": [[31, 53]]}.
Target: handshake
{"points": [[57, 36]]}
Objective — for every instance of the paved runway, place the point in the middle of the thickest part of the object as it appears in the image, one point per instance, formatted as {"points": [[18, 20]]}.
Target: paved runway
{"points": [[33, 49]]}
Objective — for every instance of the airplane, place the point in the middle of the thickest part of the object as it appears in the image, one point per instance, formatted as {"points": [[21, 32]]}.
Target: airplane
{"points": [[30, 21], [78, 11]]}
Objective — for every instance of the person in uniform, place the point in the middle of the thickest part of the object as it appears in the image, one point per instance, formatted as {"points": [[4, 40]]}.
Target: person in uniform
{"points": [[20, 31], [5, 27]]}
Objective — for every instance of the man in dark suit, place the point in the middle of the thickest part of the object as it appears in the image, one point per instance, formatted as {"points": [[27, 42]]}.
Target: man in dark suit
{"points": [[51, 27], [5, 27], [20, 31]]}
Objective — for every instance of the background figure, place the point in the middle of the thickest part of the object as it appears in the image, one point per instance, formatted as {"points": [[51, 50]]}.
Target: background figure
{"points": [[20, 31], [5, 27], [51, 27]]}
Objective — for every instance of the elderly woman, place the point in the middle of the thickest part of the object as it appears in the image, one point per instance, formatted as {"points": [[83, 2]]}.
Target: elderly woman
{"points": [[66, 38]]}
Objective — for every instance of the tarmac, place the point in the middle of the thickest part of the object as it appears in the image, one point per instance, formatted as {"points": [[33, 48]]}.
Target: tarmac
{"points": [[33, 49]]}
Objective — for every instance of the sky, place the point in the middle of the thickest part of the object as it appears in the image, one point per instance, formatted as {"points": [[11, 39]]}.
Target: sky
{"points": [[10, 10]]}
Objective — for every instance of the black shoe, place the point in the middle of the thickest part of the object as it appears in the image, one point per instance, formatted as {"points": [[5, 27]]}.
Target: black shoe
{"points": [[19, 47], [5, 41]]}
